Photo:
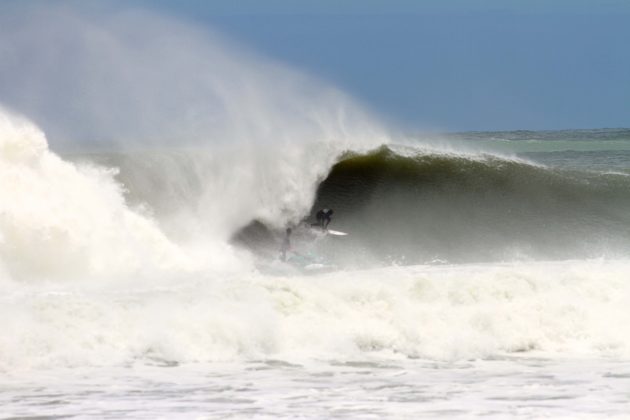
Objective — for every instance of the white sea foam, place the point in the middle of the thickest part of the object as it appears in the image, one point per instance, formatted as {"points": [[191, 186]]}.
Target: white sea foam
{"points": [[61, 221], [563, 309]]}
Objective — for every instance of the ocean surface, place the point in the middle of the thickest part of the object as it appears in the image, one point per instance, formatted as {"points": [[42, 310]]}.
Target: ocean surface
{"points": [[484, 274]]}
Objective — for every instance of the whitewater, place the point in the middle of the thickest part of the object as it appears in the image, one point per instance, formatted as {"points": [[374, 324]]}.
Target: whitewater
{"points": [[141, 278]]}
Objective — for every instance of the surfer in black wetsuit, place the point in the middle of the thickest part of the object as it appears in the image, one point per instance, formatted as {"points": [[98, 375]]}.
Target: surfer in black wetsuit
{"points": [[323, 218], [286, 245]]}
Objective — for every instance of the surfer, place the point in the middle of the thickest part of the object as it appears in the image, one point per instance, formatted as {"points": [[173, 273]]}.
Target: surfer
{"points": [[323, 218], [286, 245]]}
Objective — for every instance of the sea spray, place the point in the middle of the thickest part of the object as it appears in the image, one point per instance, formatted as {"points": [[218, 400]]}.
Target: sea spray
{"points": [[256, 136], [61, 221], [209, 137]]}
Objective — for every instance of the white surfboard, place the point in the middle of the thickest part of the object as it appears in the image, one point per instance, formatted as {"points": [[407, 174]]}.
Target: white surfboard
{"points": [[336, 232]]}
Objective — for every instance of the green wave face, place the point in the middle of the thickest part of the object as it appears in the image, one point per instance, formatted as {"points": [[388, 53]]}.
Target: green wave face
{"points": [[414, 208]]}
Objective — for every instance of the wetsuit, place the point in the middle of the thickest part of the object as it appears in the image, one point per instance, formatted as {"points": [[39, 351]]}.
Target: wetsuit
{"points": [[323, 218]]}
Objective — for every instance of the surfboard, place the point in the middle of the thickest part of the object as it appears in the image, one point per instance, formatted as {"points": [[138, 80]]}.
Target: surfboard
{"points": [[321, 232], [336, 232]]}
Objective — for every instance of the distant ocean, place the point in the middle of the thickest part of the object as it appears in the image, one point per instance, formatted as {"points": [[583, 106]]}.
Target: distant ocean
{"points": [[484, 274]]}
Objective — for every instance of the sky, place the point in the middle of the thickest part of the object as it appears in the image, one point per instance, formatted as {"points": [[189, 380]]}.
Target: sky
{"points": [[448, 65]]}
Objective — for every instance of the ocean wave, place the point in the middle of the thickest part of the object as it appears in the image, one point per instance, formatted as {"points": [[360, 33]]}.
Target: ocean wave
{"points": [[410, 207]]}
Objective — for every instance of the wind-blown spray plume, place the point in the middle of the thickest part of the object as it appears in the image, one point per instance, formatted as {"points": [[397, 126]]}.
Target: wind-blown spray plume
{"points": [[134, 80]]}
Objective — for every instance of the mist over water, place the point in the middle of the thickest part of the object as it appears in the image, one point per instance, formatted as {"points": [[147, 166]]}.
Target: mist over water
{"points": [[134, 78], [136, 81]]}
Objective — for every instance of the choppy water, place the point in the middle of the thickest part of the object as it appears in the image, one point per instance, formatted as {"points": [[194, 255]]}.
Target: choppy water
{"points": [[515, 387]]}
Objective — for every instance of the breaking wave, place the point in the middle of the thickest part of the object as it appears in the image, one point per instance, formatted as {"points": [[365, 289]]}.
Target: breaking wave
{"points": [[169, 255]]}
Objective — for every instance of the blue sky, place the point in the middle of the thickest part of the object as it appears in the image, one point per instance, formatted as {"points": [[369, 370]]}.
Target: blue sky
{"points": [[445, 64], [452, 65]]}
